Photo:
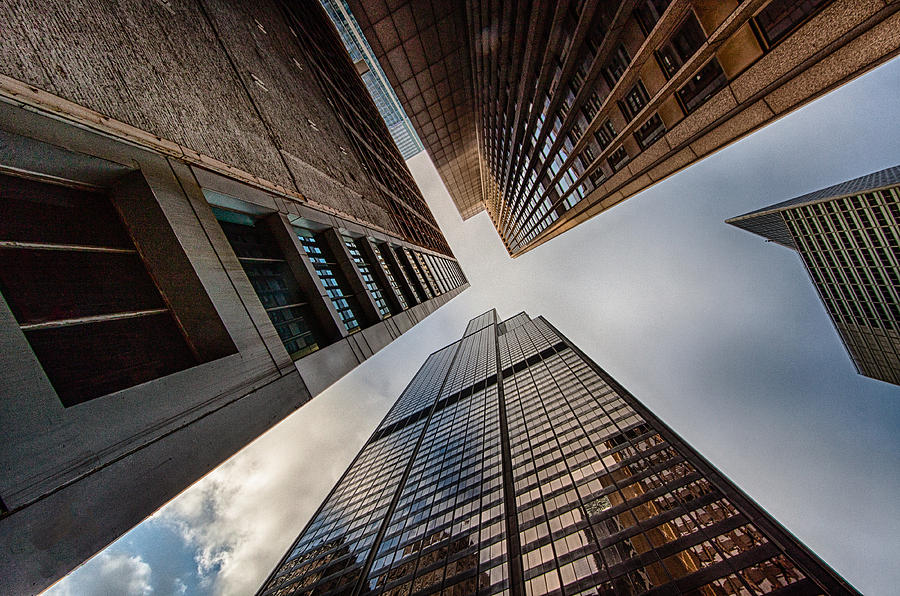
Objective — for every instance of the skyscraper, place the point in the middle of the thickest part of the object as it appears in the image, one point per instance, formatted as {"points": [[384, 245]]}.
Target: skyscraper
{"points": [[512, 464], [547, 113], [848, 236], [367, 65], [203, 224]]}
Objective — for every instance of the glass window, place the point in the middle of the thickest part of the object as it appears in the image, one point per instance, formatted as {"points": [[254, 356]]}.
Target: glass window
{"points": [[634, 100], [365, 271], [649, 12], [781, 17], [650, 131], [681, 46], [618, 159], [332, 278], [702, 85], [616, 66]]}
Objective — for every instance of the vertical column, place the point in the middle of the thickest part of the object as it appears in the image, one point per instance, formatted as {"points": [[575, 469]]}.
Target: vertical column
{"points": [[345, 262], [327, 317], [513, 543]]}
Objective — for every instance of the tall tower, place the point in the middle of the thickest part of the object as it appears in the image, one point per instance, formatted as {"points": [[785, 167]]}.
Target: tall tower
{"points": [[848, 236], [203, 224], [374, 78], [512, 464], [548, 113]]}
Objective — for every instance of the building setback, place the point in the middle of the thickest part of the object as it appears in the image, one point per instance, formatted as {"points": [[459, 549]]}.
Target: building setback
{"points": [[367, 65], [547, 113], [848, 236], [203, 224], [512, 464]]}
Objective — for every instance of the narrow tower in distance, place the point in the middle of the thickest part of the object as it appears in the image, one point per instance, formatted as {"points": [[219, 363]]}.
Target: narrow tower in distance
{"points": [[848, 236], [512, 464]]}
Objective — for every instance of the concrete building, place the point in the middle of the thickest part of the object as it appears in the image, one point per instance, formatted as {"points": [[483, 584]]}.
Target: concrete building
{"points": [[848, 236], [513, 464], [383, 95], [203, 224], [547, 113]]}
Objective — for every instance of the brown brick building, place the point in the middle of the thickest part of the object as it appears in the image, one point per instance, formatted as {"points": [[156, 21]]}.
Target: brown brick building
{"points": [[547, 113], [203, 224]]}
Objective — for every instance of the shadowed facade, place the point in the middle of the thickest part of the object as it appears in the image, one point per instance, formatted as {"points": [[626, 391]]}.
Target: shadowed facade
{"points": [[547, 113]]}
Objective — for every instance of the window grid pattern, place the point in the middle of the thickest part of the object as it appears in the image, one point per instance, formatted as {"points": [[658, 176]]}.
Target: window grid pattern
{"points": [[331, 552], [390, 276], [332, 279], [423, 390], [526, 209], [851, 248], [426, 272], [365, 271], [481, 321], [447, 532], [416, 272], [603, 502], [272, 280], [475, 362]]}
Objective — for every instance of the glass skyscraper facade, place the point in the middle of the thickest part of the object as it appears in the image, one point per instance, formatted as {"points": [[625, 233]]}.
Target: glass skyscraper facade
{"points": [[848, 236], [512, 464], [374, 78]]}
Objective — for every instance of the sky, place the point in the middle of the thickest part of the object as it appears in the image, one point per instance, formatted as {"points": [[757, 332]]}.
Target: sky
{"points": [[720, 333]]}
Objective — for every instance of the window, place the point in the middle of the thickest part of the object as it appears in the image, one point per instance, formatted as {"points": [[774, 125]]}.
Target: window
{"points": [[649, 12], [683, 44], [272, 279], [616, 66], [81, 293], [365, 270], [651, 130], [634, 101], [605, 134], [702, 86], [780, 17], [332, 278], [379, 250], [617, 159]]}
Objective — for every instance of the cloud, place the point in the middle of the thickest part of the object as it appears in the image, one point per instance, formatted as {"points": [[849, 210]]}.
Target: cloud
{"points": [[107, 574], [241, 518]]}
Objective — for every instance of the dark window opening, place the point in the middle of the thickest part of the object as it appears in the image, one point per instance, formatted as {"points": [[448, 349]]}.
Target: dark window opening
{"points": [[649, 12], [272, 280], [702, 85], [683, 44], [401, 296], [605, 134], [333, 279], [618, 159], [365, 271], [780, 17], [634, 101], [650, 132], [81, 293], [616, 66]]}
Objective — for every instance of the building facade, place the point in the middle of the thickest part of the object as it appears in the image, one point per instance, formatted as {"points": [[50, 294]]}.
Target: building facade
{"points": [[848, 236], [373, 76], [547, 113], [203, 224], [512, 464]]}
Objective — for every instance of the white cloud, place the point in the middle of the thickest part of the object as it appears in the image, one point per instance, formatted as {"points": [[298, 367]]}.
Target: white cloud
{"points": [[242, 517], [107, 574]]}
